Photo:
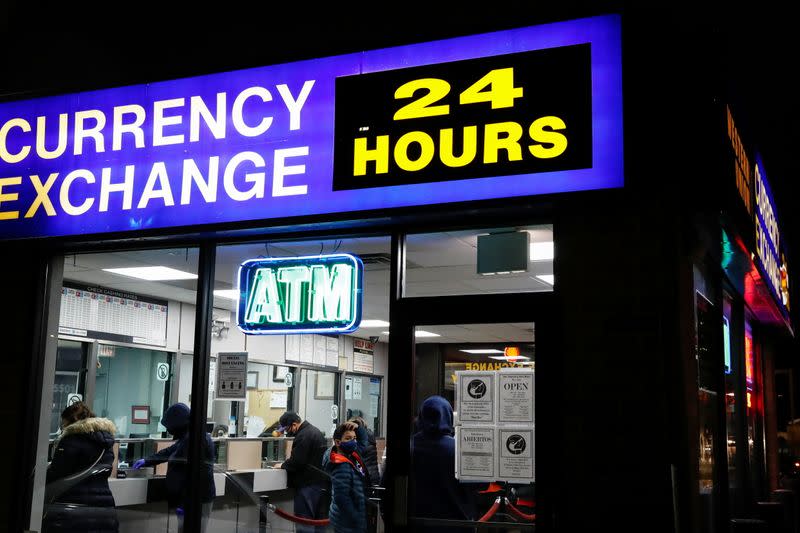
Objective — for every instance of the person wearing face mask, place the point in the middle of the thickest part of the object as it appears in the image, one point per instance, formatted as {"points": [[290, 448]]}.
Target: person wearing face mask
{"points": [[304, 468], [176, 420], [348, 511]]}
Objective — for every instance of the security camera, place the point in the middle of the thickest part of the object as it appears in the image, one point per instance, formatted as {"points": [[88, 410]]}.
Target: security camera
{"points": [[374, 339]]}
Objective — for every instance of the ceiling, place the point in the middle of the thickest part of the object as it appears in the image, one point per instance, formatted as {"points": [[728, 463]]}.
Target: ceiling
{"points": [[437, 264]]}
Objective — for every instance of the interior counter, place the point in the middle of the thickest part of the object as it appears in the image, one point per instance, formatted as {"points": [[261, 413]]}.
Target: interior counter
{"points": [[137, 491]]}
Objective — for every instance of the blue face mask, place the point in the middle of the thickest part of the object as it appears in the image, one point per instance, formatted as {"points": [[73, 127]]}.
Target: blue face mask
{"points": [[348, 446]]}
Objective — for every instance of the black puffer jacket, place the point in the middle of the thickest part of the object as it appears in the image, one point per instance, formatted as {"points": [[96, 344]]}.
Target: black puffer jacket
{"points": [[176, 420], [79, 446], [368, 449], [304, 465]]}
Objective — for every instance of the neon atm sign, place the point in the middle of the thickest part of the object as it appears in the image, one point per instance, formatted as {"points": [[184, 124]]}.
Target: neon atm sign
{"points": [[319, 294]]}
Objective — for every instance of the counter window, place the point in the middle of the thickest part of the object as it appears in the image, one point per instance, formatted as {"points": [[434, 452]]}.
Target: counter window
{"points": [[125, 325]]}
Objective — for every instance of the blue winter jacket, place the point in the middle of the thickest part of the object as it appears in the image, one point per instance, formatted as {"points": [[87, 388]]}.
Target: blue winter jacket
{"points": [[348, 511], [436, 493]]}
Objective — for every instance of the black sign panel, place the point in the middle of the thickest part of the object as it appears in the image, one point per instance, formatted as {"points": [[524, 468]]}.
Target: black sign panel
{"points": [[512, 114]]}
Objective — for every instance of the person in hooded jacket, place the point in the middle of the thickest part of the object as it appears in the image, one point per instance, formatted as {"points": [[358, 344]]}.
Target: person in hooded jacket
{"points": [[348, 510], [85, 450], [435, 491], [176, 420]]}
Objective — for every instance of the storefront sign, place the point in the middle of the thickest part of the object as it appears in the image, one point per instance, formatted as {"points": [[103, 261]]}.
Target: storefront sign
{"points": [[300, 294], [517, 453], [741, 165], [162, 371], [521, 112], [769, 253], [231, 376], [363, 356], [476, 453], [107, 314], [515, 397], [475, 397]]}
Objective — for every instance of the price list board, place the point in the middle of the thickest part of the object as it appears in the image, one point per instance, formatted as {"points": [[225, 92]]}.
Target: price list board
{"points": [[106, 314]]}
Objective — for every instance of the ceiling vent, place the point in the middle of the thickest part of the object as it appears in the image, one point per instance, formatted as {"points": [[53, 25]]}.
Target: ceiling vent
{"points": [[376, 260]]}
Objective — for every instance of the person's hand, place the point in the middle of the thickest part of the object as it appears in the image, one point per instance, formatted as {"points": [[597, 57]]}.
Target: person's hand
{"points": [[350, 426], [277, 465], [138, 464]]}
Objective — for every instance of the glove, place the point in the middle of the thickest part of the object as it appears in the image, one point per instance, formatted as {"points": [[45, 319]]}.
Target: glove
{"points": [[138, 464]]}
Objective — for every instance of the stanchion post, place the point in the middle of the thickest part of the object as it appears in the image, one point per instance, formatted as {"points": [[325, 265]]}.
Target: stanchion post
{"points": [[263, 507]]}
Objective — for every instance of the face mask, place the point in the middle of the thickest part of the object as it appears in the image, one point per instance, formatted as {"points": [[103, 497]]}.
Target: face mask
{"points": [[348, 446]]}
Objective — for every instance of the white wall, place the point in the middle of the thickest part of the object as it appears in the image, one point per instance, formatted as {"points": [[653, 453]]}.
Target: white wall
{"points": [[260, 348]]}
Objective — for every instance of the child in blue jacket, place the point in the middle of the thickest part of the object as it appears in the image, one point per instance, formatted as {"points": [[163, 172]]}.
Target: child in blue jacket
{"points": [[348, 511]]}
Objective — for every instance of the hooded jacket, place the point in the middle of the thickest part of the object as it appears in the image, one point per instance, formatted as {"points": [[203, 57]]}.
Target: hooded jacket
{"points": [[79, 446], [435, 491], [348, 510], [176, 420], [368, 449]]}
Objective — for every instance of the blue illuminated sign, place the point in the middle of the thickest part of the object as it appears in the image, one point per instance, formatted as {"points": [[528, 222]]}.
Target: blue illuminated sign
{"points": [[320, 294], [521, 112], [769, 253]]}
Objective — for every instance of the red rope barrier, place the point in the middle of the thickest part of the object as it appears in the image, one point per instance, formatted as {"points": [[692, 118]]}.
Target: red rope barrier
{"points": [[490, 513], [299, 519], [519, 514]]}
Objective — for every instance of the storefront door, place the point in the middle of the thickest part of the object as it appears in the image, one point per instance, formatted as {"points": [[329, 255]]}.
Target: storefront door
{"points": [[478, 367]]}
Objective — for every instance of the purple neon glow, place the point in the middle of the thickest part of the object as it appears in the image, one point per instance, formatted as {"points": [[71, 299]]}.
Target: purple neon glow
{"points": [[316, 132]]}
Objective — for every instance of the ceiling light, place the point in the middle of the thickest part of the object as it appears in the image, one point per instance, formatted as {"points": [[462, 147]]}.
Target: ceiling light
{"points": [[504, 358], [230, 294], [483, 350], [156, 273], [542, 251], [370, 323], [417, 333], [550, 279]]}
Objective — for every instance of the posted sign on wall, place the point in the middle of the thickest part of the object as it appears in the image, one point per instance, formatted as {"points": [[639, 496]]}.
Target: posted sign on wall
{"points": [[513, 113]]}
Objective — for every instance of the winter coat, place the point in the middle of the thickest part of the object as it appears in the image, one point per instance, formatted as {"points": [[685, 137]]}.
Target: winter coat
{"points": [[79, 446], [348, 510], [368, 450], [436, 493], [176, 420], [304, 465]]}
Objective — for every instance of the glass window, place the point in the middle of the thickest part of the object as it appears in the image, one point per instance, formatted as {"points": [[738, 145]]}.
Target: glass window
{"points": [[283, 316], [494, 260], [362, 397], [123, 317], [127, 377], [70, 379], [732, 376], [484, 375]]}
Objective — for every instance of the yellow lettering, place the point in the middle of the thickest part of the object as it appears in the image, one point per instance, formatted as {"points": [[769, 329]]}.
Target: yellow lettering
{"points": [[41, 195], [502, 136], [380, 155], [470, 147], [9, 197], [7, 156], [539, 134], [427, 151]]}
